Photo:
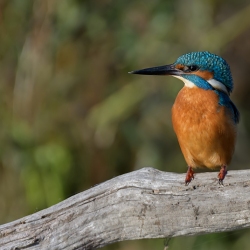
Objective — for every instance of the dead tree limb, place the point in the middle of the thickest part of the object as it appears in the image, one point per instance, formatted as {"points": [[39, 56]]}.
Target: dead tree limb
{"points": [[142, 204]]}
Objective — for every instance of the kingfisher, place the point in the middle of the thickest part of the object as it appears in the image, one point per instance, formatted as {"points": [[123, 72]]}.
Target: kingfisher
{"points": [[203, 116]]}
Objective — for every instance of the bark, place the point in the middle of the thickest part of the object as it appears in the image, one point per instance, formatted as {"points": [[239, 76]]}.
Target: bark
{"points": [[142, 204]]}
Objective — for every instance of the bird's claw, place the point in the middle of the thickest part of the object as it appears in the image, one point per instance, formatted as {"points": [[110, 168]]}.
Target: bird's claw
{"points": [[221, 182], [222, 174], [189, 176]]}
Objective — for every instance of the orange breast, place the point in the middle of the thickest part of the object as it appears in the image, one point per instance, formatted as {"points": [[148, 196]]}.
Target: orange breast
{"points": [[205, 129]]}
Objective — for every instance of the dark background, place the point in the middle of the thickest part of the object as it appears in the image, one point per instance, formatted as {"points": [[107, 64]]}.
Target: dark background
{"points": [[71, 116]]}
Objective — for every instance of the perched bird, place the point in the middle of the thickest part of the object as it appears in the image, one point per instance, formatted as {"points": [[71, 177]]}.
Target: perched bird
{"points": [[203, 116]]}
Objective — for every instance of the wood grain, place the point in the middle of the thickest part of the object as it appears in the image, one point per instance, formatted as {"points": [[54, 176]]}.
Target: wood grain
{"points": [[142, 204]]}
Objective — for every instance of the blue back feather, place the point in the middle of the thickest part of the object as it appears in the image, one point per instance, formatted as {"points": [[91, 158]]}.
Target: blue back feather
{"points": [[224, 100]]}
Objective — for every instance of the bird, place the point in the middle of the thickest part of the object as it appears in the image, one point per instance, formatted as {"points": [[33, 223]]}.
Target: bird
{"points": [[203, 116]]}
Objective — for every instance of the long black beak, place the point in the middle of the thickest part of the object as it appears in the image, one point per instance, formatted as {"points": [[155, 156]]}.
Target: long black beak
{"points": [[160, 70]]}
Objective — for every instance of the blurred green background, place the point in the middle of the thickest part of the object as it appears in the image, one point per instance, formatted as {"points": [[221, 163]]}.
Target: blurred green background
{"points": [[71, 116]]}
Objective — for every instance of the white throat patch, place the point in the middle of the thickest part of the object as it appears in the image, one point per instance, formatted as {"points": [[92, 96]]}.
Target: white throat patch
{"points": [[187, 83]]}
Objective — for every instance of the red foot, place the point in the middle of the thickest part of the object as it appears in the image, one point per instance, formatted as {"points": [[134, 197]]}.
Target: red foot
{"points": [[189, 175], [222, 174]]}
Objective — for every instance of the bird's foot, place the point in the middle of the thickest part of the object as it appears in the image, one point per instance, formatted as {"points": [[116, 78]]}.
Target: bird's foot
{"points": [[189, 176], [222, 174]]}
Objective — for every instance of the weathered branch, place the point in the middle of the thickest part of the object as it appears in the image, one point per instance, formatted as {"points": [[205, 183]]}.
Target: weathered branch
{"points": [[142, 204]]}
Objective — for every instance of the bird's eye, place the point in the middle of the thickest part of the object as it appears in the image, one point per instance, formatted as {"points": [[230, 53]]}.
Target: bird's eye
{"points": [[190, 68], [193, 67]]}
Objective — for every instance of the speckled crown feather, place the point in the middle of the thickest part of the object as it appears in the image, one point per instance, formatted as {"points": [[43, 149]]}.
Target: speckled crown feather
{"points": [[210, 62]]}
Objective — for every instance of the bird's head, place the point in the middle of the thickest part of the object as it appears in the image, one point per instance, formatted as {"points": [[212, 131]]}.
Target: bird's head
{"points": [[201, 69]]}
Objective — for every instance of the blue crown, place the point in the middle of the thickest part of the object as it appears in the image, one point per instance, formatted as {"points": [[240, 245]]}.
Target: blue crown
{"points": [[209, 62]]}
